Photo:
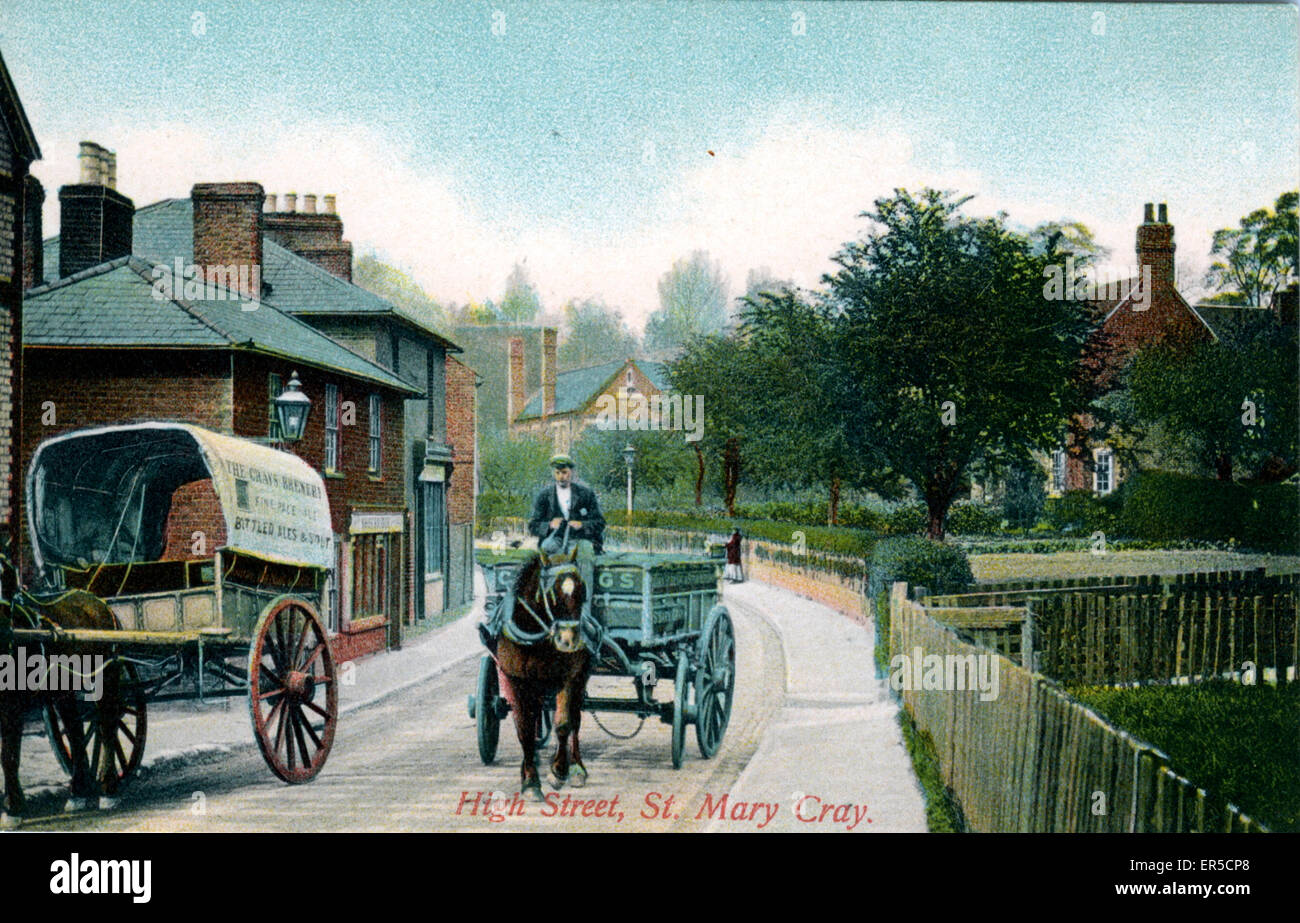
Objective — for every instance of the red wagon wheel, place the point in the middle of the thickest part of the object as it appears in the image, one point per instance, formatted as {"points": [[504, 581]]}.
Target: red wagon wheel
{"points": [[128, 735], [292, 690]]}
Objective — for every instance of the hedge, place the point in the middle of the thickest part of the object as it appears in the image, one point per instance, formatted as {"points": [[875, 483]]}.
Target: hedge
{"points": [[919, 561], [1163, 506]]}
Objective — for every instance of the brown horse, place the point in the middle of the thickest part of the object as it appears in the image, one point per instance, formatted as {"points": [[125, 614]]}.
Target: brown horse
{"points": [[71, 609], [541, 652]]}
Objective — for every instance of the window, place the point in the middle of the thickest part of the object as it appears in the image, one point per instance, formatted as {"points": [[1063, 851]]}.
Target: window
{"points": [[275, 385], [434, 523], [631, 380], [1058, 471], [376, 422], [1103, 475], [331, 427]]}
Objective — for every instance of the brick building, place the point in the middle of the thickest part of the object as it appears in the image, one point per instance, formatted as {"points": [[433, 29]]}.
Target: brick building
{"points": [[1145, 311], [20, 193], [115, 337], [567, 402]]}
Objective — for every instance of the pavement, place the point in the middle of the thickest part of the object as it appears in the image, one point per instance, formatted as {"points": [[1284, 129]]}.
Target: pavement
{"points": [[834, 750]]}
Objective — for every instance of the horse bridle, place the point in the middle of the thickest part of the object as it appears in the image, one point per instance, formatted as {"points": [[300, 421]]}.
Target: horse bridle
{"points": [[547, 581]]}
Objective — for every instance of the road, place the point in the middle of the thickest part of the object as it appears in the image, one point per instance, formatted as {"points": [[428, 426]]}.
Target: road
{"points": [[409, 763]]}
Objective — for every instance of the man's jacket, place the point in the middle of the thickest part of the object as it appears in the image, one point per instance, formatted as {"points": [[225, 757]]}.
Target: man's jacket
{"points": [[583, 506]]}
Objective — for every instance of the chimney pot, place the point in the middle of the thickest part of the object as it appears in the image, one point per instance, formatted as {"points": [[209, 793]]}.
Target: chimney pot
{"points": [[1148, 214], [88, 157], [309, 204], [330, 208], [291, 202], [270, 202], [1164, 213], [109, 174]]}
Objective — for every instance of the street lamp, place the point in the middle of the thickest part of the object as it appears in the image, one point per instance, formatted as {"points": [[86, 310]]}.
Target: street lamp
{"points": [[629, 456], [291, 409]]}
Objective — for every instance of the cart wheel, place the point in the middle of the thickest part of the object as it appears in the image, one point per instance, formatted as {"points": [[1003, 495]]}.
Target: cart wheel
{"points": [[292, 690], [128, 738], [681, 689], [485, 708], [715, 682]]}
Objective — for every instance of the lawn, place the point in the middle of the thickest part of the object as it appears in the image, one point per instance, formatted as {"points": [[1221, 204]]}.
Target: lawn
{"points": [[1239, 743], [1064, 564]]}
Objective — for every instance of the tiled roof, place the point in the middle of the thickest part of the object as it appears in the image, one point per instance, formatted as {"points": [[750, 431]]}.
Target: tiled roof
{"points": [[575, 389], [115, 304], [164, 231]]}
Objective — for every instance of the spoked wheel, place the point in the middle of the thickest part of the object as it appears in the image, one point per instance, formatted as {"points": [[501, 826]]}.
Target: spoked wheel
{"points": [[292, 690], [715, 682], [487, 717], [681, 689], [127, 740]]}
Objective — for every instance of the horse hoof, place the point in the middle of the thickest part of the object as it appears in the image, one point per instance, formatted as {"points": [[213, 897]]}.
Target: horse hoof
{"points": [[533, 792], [107, 803], [10, 821], [556, 782], [75, 804], [577, 776]]}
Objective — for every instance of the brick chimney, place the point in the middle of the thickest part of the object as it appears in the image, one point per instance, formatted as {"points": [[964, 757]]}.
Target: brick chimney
{"points": [[95, 219], [515, 397], [315, 236], [1155, 247], [228, 234], [33, 246], [548, 371]]}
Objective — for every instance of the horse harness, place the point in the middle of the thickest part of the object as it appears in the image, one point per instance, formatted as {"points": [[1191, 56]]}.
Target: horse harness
{"points": [[549, 579]]}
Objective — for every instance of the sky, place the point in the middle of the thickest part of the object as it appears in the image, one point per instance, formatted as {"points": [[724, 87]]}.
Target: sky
{"points": [[596, 143]]}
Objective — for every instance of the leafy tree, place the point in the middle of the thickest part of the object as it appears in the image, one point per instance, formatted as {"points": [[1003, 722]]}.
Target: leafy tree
{"points": [[1225, 406], [594, 334], [663, 461], [717, 368], [692, 302], [1258, 258], [520, 303], [761, 280], [956, 351], [391, 283]]}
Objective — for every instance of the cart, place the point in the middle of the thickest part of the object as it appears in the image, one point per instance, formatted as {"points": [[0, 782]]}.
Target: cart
{"points": [[662, 622], [214, 554]]}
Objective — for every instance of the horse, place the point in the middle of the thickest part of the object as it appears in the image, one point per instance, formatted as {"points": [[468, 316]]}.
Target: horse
{"points": [[70, 609], [542, 651]]}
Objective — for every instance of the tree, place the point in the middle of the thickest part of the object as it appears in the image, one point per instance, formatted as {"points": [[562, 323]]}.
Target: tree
{"points": [[663, 462], [692, 302], [594, 334], [957, 352], [1258, 258], [799, 404], [391, 283], [1222, 406], [716, 368], [520, 303]]}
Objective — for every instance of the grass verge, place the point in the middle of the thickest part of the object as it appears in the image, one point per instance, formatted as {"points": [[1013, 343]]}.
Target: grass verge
{"points": [[942, 812]]}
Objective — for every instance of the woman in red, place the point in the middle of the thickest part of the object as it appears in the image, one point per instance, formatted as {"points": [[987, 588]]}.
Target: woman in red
{"points": [[733, 571]]}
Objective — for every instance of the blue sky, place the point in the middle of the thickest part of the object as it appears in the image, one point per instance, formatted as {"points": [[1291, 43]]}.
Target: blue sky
{"points": [[575, 137]]}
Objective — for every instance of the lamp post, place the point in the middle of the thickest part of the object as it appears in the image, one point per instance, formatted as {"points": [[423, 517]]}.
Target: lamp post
{"points": [[629, 457], [291, 409]]}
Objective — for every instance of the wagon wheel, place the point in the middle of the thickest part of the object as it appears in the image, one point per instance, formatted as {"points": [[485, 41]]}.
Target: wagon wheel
{"points": [[681, 689], [715, 682], [292, 690], [128, 737], [485, 710]]}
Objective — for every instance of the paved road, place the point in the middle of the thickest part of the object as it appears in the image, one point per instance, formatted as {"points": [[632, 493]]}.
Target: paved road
{"points": [[811, 746]]}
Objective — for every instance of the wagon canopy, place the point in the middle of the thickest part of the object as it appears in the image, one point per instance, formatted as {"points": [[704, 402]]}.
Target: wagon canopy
{"points": [[103, 495]]}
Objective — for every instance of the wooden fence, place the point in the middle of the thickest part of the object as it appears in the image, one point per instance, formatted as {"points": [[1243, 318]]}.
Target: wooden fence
{"points": [[1034, 760]]}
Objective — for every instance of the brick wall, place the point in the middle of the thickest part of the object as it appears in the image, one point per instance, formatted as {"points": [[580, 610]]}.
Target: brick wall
{"points": [[227, 225], [314, 237], [195, 508], [13, 173]]}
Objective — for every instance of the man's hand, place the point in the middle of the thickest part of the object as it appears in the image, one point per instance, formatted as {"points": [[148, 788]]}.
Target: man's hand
{"points": [[556, 522], [575, 524]]}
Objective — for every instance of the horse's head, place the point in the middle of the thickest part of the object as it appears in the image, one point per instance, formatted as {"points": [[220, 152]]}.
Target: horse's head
{"points": [[552, 596]]}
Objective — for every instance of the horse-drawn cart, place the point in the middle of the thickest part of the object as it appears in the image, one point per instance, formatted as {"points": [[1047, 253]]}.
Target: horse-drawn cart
{"points": [[662, 622], [213, 553]]}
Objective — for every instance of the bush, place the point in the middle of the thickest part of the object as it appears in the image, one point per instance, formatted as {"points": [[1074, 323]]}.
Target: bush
{"points": [[907, 519], [1164, 506], [973, 519], [919, 561], [1025, 497], [1082, 511]]}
